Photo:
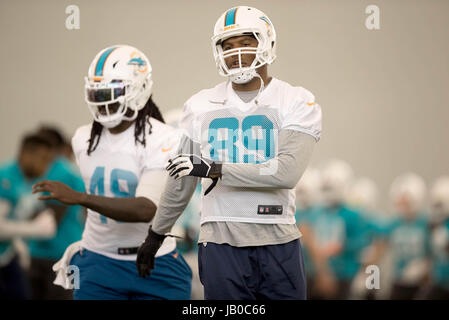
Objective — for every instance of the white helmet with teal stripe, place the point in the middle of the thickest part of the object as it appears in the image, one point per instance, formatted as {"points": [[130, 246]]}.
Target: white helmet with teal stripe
{"points": [[241, 21], [118, 84]]}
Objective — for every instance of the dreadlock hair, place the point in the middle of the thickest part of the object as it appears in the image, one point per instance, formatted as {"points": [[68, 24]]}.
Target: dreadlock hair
{"points": [[143, 118]]}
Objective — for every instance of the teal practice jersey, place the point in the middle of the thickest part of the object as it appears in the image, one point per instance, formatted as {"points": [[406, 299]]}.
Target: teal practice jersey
{"points": [[304, 218], [440, 255], [71, 226], [410, 242], [345, 226], [15, 189]]}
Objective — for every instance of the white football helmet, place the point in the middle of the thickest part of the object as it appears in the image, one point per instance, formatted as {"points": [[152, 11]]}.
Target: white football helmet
{"points": [[408, 193], [118, 74], [363, 193], [439, 198], [337, 176], [240, 21], [308, 188]]}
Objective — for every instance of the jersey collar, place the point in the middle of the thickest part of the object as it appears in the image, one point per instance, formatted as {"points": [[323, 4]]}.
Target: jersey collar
{"points": [[228, 96], [116, 141]]}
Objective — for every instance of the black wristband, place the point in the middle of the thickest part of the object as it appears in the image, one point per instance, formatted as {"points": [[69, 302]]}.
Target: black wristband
{"points": [[157, 236], [215, 170]]}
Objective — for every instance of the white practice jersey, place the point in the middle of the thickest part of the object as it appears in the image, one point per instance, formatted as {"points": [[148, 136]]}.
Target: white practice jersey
{"points": [[232, 131], [114, 169]]}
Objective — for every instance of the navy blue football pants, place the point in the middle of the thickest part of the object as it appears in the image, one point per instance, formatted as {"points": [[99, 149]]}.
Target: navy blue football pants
{"points": [[272, 272], [14, 283]]}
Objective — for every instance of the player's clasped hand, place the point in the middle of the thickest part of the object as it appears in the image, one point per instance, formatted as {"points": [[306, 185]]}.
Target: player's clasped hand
{"points": [[57, 191], [147, 252], [192, 165]]}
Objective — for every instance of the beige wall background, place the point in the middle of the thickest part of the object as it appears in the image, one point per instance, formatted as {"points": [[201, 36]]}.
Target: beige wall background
{"points": [[384, 93]]}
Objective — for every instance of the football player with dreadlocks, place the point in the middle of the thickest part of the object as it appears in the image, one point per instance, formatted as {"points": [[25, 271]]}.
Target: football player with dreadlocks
{"points": [[121, 156], [253, 136]]}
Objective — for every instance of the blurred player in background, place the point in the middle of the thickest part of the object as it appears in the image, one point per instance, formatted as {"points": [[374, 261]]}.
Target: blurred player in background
{"points": [[307, 201], [62, 147], [121, 156], [338, 234], [70, 221], [439, 200], [256, 134], [21, 214], [409, 237], [362, 196]]}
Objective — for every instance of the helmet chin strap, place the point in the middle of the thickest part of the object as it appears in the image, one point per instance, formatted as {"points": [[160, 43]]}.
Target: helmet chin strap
{"points": [[246, 77], [262, 86], [243, 77], [111, 124]]}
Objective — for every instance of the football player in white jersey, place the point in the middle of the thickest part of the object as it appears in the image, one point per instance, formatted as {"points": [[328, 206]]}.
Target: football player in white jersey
{"points": [[121, 156], [253, 136]]}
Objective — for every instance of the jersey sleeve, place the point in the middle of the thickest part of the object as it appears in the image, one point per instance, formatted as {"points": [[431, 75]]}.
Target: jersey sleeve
{"points": [[148, 188], [302, 113], [79, 141], [187, 124], [164, 147]]}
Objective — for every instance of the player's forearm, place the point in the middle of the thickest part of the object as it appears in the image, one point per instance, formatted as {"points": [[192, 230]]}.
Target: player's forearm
{"points": [[13, 229], [282, 172], [41, 227], [174, 200], [176, 194], [138, 209], [320, 261], [376, 253]]}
